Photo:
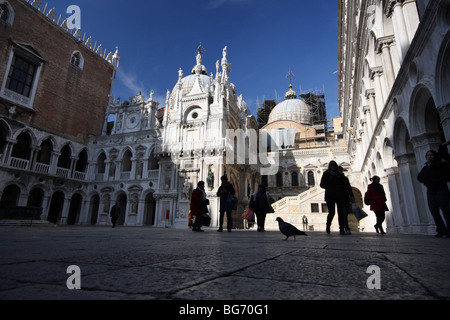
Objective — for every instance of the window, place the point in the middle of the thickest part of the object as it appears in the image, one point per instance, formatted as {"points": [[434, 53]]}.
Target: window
{"points": [[311, 180], [324, 208], [21, 76], [294, 179], [279, 179], [265, 181], [4, 12], [314, 207]]}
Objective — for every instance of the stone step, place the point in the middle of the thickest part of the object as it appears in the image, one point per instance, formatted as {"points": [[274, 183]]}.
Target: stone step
{"points": [[25, 223]]}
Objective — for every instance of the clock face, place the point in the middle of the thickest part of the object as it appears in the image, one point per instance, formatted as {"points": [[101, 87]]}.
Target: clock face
{"points": [[132, 121]]}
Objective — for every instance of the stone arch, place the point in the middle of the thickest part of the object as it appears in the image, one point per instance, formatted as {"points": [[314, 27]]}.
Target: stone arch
{"points": [[443, 72], [422, 107], [401, 136], [443, 80], [22, 149], [10, 196], [193, 113]]}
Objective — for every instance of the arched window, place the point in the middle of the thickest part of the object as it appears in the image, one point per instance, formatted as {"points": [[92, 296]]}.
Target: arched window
{"points": [[126, 161], [279, 179], [6, 13], [64, 158], [45, 154], [77, 60], [22, 149], [101, 165], [82, 162]]}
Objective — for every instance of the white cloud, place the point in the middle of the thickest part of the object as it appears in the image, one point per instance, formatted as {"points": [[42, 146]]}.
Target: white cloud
{"points": [[130, 82]]}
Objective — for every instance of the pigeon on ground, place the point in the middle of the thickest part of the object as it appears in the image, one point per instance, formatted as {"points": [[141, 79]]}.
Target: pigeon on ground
{"points": [[289, 230]]}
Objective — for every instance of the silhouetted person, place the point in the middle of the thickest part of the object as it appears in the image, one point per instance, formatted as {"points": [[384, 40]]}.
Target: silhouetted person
{"points": [[336, 193], [115, 213], [435, 175], [261, 204], [377, 198], [225, 189], [198, 206]]}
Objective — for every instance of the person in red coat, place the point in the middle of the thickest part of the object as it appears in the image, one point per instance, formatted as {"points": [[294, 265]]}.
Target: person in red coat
{"points": [[377, 199], [198, 204]]}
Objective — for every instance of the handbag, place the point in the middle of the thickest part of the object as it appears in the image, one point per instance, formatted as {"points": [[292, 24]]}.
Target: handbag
{"points": [[269, 202], [232, 202], [250, 215], [358, 212], [367, 201], [206, 220]]}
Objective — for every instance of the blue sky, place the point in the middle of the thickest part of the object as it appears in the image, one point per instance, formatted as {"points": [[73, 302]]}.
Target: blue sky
{"points": [[265, 38]]}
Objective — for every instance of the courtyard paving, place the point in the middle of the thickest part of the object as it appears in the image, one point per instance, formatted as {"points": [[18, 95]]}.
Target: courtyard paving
{"points": [[180, 265]]}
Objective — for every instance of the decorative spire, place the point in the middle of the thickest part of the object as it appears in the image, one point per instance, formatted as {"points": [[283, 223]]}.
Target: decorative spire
{"points": [[116, 58]]}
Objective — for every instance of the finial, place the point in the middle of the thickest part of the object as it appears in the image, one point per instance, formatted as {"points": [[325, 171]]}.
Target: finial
{"points": [[291, 94], [290, 77], [200, 50]]}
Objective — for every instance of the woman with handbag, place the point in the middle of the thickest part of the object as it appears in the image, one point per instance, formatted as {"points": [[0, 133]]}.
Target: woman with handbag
{"points": [[226, 192], [376, 196], [261, 204]]}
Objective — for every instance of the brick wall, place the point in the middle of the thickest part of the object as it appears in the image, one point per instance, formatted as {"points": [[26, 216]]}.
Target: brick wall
{"points": [[69, 101]]}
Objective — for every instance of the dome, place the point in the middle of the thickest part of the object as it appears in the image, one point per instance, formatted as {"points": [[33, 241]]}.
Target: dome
{"points": [[188, 83], [293, 110]]}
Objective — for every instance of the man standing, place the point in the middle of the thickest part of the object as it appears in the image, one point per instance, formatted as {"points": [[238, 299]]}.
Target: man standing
{"points": [[226, 189]]}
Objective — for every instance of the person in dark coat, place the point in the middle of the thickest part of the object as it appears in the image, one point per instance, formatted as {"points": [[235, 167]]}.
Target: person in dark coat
{"points": [[198, 206], [337, 190], [260, 203], [225, 189], [435, 175], [377, 198], [115, 213]]}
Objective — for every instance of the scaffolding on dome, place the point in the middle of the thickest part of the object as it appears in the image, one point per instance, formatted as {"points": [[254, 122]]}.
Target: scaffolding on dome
{"points": [[315, 98]]}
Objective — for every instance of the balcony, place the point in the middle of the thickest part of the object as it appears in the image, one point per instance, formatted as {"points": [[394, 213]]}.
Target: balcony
{"points": [[42, 168]]}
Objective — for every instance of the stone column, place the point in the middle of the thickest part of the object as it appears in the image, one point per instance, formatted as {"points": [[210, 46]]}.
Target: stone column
{"points": [[370, 95], [400, 30], [384, 47], [395, 218], [379, 97]]}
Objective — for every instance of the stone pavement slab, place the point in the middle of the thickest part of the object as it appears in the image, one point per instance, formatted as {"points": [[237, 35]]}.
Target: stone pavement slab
{"points": [[169, 264]]}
